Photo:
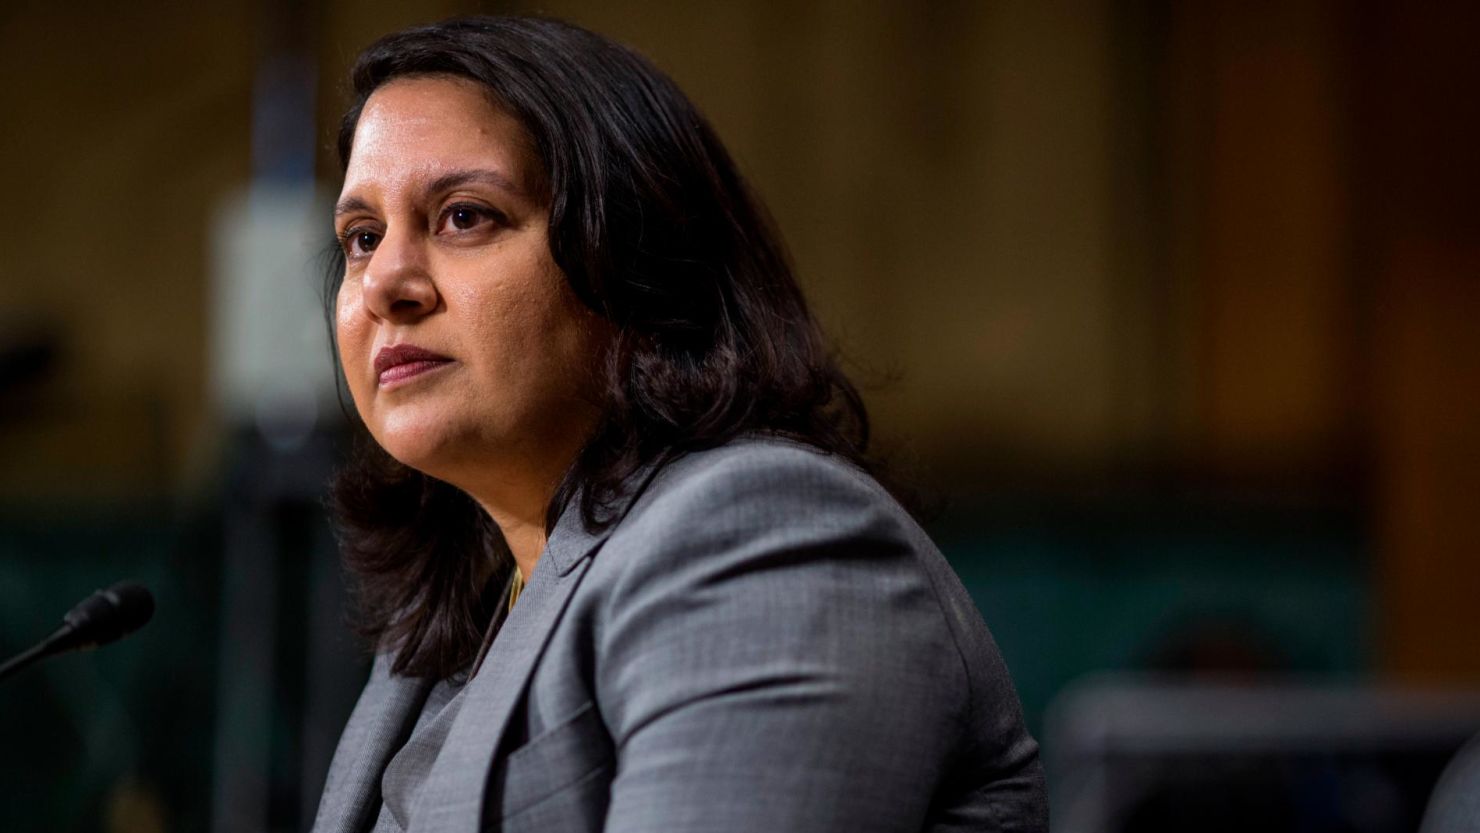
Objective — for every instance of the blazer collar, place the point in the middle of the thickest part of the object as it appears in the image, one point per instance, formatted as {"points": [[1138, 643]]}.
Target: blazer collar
{"points": [[380, 724], [570, 541], [455, 789], [452, 798], [388, 708]]}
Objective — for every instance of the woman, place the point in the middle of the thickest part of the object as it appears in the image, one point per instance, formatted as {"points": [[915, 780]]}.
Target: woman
{"points": [[589, 373]]}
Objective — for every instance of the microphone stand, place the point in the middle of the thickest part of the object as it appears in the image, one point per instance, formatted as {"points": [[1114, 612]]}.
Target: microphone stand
{"points": [[21, 660]]}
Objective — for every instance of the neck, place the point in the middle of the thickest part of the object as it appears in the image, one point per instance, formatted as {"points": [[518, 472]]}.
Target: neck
{"points": [[516, 490], [519, 509], [516, 494], [526, 539]]}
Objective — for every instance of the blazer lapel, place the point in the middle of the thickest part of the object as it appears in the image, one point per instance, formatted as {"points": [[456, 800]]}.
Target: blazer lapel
{"points": [[453, 797], [382, 720]]}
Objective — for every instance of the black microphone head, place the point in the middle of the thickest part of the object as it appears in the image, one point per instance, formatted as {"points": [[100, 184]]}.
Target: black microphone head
{"points": [[109, 614]]}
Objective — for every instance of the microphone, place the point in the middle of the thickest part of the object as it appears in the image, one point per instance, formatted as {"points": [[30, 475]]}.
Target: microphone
{"points": [[103, 617]]}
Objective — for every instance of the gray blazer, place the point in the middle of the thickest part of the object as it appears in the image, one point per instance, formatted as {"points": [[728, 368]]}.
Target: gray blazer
{"points": [[1454, 806], [764, 642]]}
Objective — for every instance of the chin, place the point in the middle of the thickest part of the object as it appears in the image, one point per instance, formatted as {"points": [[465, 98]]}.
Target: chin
{"points": [[436, 450], [421, 450]]}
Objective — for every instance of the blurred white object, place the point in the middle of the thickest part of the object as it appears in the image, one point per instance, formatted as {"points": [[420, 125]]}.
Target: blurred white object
{"points": [[271, 364]]}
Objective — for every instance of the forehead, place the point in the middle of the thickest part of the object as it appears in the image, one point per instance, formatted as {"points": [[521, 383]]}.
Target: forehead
{"points": [[412, 130]]}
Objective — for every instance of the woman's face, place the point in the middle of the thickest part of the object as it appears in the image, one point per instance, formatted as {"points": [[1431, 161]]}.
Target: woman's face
{"points": [[465, 350]]}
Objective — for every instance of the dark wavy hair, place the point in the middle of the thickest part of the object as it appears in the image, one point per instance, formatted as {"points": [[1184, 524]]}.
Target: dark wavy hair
{"points": [[657, 232]]}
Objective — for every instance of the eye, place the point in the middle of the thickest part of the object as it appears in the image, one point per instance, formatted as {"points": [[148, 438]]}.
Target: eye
{"points": [[464, 217], [359, 241]]}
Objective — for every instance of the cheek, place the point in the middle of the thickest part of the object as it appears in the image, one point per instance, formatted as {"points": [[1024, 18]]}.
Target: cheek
{"points": [[351, 337], [574, 343], [503, 321]]}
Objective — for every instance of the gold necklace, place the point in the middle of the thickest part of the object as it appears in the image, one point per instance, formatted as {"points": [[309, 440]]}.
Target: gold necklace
{"points": [[516, 585]]}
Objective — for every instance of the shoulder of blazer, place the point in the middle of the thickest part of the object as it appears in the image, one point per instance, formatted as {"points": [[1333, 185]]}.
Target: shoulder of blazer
{"points": [[769, 490], [676, 509], [758, 465]]}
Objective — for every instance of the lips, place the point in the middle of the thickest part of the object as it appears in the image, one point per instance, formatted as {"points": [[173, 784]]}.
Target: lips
{"points": [[403, 361]]}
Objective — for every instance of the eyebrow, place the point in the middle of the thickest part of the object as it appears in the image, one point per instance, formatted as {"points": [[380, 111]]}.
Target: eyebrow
{"points": [[488, 176], [445, 182], [350, 204]]}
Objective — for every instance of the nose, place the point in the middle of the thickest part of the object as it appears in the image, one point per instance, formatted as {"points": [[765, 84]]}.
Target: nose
{"points": [[397, 284]]}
